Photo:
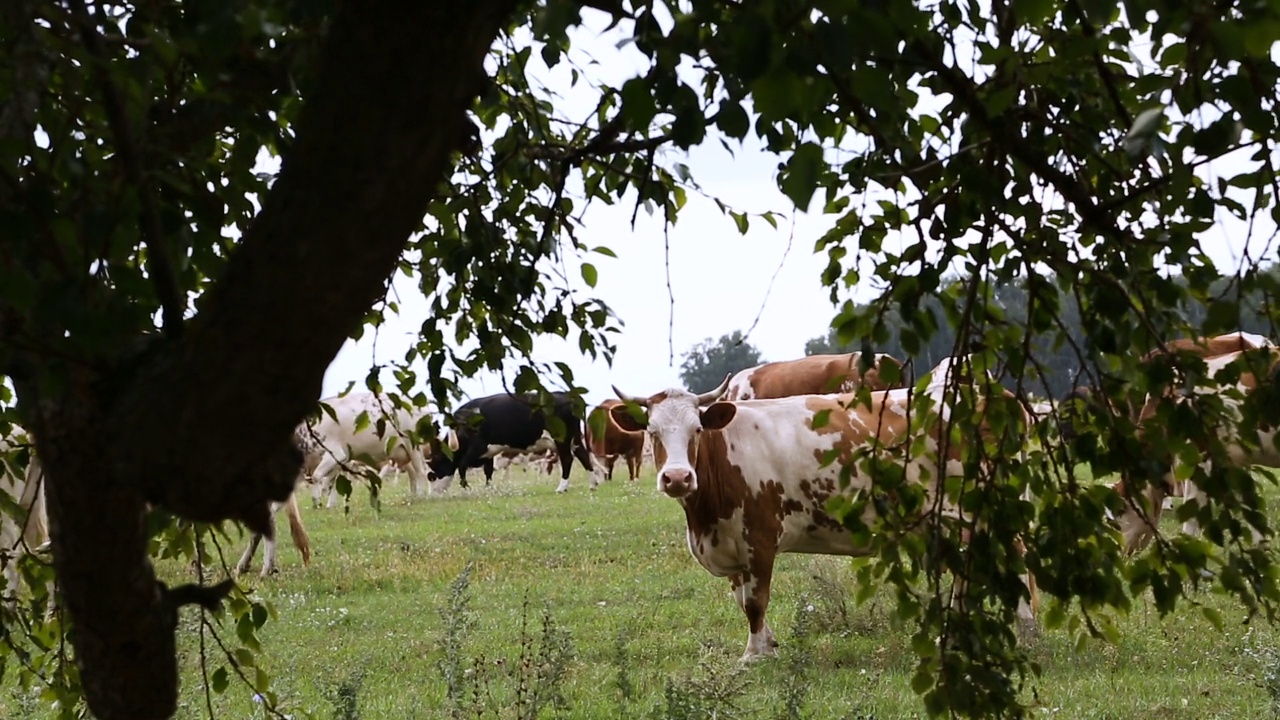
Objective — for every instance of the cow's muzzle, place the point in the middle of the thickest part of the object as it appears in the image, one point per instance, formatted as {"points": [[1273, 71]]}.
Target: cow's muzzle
{"points": [[677, 483]]}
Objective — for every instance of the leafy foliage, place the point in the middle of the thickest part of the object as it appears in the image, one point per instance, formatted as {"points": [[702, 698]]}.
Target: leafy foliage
{"points": [[1057, 366], [705, 365], [1075, 149]]}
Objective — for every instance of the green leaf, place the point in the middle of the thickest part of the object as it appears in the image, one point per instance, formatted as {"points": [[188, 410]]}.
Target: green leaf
{"points": [[589, 274], [800, 180], [637, 104], [218, 680], [732, 119]]}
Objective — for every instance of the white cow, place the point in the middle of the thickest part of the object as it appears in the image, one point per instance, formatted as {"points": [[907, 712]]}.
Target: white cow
{"points": [[333, 442]]}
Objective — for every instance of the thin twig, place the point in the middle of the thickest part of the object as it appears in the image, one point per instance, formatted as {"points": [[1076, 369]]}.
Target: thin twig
{"points": [[671, 297], [781, 263]]}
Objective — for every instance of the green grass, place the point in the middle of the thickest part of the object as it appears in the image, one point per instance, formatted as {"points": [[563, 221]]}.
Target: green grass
{"points": [[611, 570]]}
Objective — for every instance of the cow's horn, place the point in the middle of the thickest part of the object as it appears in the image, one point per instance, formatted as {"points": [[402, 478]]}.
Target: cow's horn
{"points": [[711, 396], [642, 402]]}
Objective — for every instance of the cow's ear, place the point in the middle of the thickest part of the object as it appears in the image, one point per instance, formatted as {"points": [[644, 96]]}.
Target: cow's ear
{"points": [[718, 415], [628, 421]]}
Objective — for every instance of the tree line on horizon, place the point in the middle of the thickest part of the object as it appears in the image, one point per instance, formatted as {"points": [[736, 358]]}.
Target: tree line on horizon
{"points": [[1059, 360]]}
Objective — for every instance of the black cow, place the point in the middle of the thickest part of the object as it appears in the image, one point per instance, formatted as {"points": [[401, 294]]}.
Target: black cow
{"points": [[487, 426]]}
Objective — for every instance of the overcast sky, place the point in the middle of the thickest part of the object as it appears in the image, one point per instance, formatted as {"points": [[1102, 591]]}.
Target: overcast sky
{"points": [[719, 278]]}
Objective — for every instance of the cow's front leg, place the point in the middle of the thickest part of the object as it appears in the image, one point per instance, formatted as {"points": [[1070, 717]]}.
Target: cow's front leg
{"points": [[488, 472], [246, 559], [1191, 493], [752, 593]]}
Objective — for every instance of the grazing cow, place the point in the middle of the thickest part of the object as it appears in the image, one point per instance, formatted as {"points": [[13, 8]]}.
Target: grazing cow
{"points": [[313, 451], [296, 531], [811, 375], [334, 442], [1138, 522], [488, 426], [1134, 524], [614, 442], [1080, 400], [540, 460], [750, 475], [1210, 347]]}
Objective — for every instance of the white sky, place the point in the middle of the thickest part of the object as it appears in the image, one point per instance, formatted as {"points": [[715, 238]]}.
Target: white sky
{"points": [[719, 278]]}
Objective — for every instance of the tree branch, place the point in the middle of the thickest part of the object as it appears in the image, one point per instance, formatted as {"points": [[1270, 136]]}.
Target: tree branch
{"points": [[962, 87], [159, 266], [596, 147], [202, 425], [1103, 73]]}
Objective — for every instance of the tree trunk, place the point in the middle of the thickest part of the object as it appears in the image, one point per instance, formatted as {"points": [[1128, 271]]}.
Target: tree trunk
{"points": [[202, 425]]}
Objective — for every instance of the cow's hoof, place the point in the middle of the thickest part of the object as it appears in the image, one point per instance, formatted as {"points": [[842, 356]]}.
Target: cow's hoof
{"points": [[755, 657]]}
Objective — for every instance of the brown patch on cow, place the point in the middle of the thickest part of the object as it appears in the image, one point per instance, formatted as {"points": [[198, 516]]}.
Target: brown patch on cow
{"points": [[816, 375], [722, 489], [888, 425], [755, 609], [1203, 347], [659, 453]]}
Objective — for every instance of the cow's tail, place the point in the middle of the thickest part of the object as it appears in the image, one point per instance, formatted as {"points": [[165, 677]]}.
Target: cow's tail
{"points": [[296, 530]]}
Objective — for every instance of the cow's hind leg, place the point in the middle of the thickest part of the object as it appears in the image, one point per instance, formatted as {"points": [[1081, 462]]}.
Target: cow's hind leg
{"points": [[581, 452], [566, 465], [752, 594]]}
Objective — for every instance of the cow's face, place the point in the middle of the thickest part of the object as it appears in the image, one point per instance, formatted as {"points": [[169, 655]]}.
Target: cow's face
{"points": [[439, 464], [674, 421]]}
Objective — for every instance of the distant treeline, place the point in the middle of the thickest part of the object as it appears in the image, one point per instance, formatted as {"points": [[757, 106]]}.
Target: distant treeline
{"points": [[1060, 361]]}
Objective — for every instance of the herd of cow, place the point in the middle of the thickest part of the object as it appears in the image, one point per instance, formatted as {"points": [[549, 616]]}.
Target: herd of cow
{"points": [[753, 462]]}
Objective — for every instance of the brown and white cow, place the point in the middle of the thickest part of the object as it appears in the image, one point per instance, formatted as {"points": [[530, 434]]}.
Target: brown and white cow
{"points": [[614, 442], [1211, 346], [1138, 523], [751, 477], [811, 375]]}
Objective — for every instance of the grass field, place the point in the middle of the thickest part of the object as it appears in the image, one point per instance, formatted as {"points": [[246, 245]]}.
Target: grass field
{"points": [[624, 623]]}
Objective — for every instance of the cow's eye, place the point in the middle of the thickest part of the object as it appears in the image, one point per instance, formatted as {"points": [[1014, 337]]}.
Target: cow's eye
{"points": [[698, 430]]}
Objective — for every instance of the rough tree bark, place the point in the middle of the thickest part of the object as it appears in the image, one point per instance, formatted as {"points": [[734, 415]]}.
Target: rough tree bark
{"points": [[201, 425]]}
